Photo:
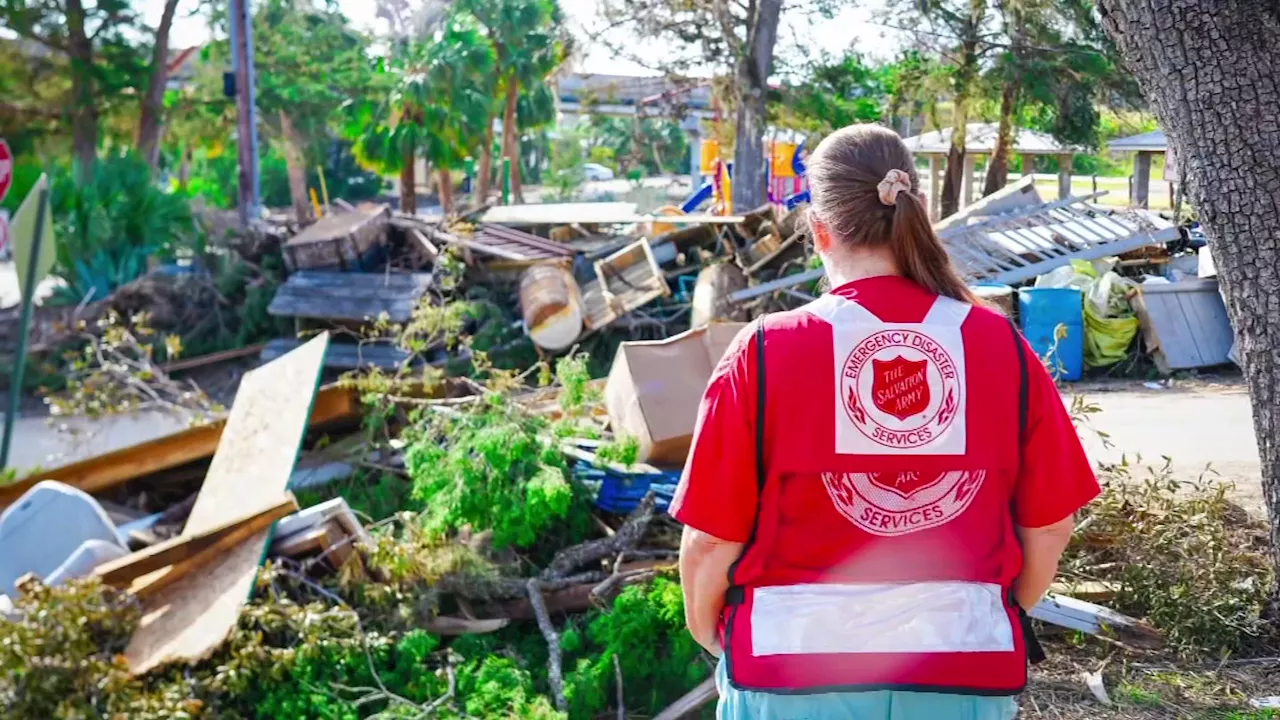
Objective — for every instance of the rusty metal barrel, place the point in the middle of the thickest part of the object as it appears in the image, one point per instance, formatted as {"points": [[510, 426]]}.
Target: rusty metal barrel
{"points": [[551, 306]]}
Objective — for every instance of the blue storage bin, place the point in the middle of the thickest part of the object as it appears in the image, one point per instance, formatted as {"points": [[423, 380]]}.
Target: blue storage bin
{"points": [[1041, 311]]}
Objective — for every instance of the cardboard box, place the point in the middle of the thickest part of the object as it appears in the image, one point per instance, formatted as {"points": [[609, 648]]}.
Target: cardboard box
{"points": [[654, 389]]}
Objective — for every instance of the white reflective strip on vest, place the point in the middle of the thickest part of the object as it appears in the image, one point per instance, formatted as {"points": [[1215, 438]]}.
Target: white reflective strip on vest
{"points": [[931, 617]]}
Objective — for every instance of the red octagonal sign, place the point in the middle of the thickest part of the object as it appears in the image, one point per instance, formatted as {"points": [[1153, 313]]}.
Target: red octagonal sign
{"points": [[6, 169]]}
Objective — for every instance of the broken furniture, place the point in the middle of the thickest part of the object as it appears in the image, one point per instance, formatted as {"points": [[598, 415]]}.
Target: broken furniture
{"points": [[56, 532], [1184, 324], [350, 300], [654, 389], [624, 281], [352, 240]]}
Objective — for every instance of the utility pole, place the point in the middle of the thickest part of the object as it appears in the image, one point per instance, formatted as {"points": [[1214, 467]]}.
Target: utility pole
{"points": [[246, 102]]}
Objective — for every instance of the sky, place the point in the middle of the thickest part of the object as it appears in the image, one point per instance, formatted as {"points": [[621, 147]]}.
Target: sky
{"points": [[853, 26]]}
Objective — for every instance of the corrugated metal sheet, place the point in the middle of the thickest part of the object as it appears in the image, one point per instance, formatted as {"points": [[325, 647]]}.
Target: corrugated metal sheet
{"points": [[981, 138], [518, 242]]}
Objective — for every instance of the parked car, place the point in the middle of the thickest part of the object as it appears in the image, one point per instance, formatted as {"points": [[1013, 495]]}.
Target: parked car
{"points": [[595, 171]]}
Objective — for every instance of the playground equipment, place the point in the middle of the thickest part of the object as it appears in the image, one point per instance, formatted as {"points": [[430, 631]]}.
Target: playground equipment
{"points": [[785, 170]]}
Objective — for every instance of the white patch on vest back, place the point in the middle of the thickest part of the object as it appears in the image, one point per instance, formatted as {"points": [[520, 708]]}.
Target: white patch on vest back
{"points": [[901, 389], [898, 503]]}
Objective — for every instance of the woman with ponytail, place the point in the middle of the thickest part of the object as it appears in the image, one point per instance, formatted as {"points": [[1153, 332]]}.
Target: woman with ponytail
{"points": [[881, 483]]}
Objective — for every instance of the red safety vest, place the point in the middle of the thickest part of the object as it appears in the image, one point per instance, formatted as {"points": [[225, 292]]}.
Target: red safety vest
{"points": [[881, 555]]}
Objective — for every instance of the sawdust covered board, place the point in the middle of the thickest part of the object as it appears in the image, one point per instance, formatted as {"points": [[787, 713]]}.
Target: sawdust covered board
{"points": [[250, 469]]}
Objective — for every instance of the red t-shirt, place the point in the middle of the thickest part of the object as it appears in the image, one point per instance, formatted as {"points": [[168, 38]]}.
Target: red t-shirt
{"points": [[717, 493]]}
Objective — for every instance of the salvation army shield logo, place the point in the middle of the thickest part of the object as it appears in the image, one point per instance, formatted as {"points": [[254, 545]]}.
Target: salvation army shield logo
{"points": [[901, 388]]}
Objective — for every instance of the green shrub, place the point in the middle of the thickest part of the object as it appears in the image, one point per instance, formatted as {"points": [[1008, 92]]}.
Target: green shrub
{"points": [[108, 227], [493, 468], [645, 630]]}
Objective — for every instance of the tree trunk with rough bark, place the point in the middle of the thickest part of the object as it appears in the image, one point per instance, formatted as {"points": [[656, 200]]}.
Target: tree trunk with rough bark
{"points": [[408, 183], [446, 191], [296, 167], [511, 139], [749, 177], [998, 168], [1212, 74], [484, 182], [84, 117], [150, 120], [953, 176]]}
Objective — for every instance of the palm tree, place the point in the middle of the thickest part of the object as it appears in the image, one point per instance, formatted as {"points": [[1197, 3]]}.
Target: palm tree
{"points": [[528, 45], [436, 101]]}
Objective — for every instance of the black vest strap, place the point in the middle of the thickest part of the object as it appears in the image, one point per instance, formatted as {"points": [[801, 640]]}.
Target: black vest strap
{"points": [[1035, 653]]}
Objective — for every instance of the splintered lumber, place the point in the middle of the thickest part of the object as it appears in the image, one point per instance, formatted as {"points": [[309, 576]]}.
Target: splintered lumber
{"points": [[123, 571], [145, 586], [256, 455], [103, 472], [1074, 614], [691, 701]]}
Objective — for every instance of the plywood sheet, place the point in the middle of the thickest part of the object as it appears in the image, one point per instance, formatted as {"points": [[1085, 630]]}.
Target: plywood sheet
{"points": [[250, 470]]}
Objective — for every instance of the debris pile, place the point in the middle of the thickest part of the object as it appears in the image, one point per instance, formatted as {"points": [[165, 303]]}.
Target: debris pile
{"points": [[424, 474]]}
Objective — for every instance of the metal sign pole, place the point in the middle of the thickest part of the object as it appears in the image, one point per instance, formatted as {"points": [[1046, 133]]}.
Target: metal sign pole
{"points": [[24, 325]]}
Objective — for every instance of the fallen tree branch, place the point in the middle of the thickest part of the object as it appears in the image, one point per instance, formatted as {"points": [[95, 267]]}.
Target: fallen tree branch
{"points": [[554, 675], [626, 539], [691, 701], [622, 702]]}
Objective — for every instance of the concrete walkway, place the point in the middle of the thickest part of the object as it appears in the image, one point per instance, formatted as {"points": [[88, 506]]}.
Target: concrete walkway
{"points": [[1197, 427]]}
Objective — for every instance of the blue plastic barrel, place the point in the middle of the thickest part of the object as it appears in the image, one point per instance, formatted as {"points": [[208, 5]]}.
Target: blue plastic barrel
{"points": [[1041, 311]]}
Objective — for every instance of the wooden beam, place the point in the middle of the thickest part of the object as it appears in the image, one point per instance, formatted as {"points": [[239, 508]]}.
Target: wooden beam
{"points": [[1074, 614], [1064, 176], [103, 472], [123, 571], [1142, 179], [691, 701]]}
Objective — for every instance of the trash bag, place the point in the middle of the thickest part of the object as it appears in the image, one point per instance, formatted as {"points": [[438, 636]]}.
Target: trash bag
{"points": [[1109, 321]]}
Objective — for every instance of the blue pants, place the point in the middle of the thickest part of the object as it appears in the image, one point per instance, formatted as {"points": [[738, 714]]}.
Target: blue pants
{"points": [[874, 705]]}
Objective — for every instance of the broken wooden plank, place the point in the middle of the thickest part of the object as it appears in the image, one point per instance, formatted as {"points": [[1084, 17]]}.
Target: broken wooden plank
{"points": [[120, 572], [149, 584], [601, 213], [448, 626], [625, 281], [345, 356], [1074, 614], [203, 360], [103, 472], [1087, 590], [428, 248], [251, 468]]}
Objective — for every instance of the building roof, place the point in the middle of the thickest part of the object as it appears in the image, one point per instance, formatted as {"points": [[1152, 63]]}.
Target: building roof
{"points": [[1153, 141], [981, 139], [589, 88]]}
